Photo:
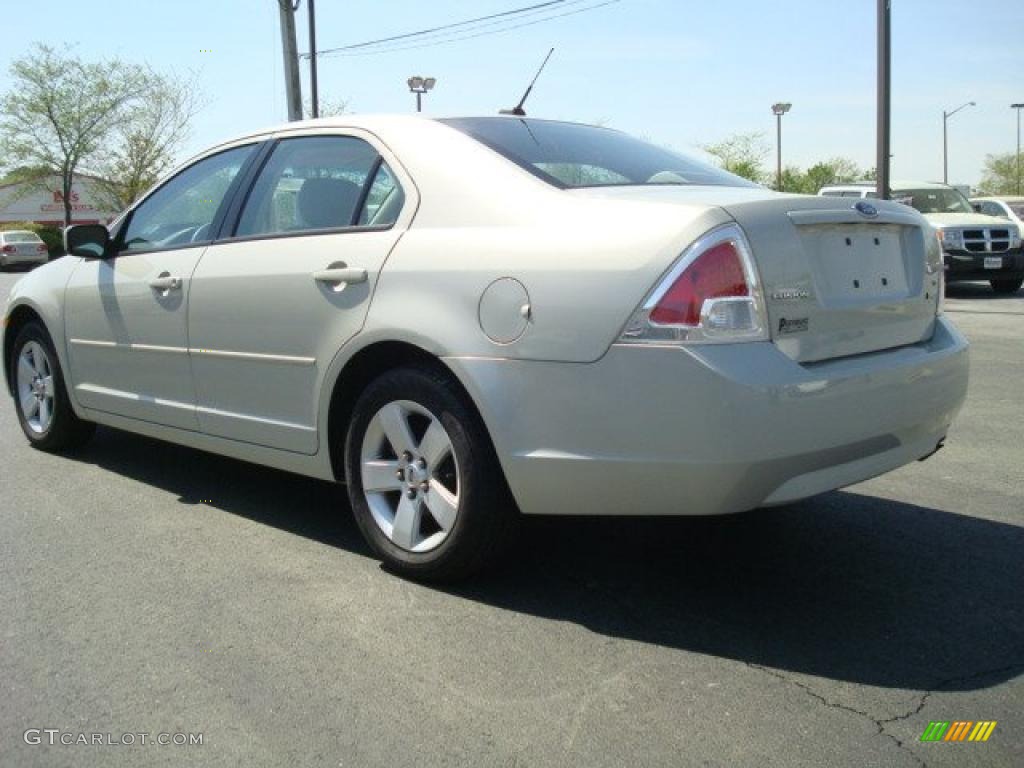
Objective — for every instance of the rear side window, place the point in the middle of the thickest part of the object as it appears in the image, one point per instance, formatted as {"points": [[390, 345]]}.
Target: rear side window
{"points": [[317, 182]]}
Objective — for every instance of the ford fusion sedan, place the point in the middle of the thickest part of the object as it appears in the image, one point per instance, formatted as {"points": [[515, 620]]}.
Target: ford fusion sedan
{"points": [[465, 320]]}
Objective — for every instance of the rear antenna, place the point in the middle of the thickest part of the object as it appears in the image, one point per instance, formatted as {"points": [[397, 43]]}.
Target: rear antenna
{"points": [[518, 110]]}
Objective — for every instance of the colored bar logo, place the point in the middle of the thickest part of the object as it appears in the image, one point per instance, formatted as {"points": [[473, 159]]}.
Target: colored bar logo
{"points": [[958, 730]]}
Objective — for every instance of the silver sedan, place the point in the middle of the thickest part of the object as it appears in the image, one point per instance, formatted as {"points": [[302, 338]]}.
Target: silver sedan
{"points": [[469, 319]]}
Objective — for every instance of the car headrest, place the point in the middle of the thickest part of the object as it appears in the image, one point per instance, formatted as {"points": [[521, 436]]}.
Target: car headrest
{"points": [[324, 203]]}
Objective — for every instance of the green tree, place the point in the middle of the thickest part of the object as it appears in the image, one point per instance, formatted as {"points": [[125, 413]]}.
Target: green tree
{"points": [[145, 142], [742, 154], [61, 111], [999, 175]]}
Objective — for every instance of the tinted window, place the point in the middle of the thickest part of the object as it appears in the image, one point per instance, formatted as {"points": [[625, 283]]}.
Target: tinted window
{"points": [[182, 210], [309, 183], [1017, 208], [571, 155]]}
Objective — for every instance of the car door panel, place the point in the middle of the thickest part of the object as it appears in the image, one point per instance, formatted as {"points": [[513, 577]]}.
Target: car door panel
{"points": [[126, 316], [128, 340], [271, 306], [264, 331]]}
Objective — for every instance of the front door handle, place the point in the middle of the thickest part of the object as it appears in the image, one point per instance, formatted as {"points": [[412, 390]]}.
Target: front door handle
{"points": [[165, 282], [340, 274]]}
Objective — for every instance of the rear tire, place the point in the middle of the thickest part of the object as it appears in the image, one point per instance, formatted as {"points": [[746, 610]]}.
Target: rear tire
{"points": [[40, 396], [423, 478], [1010, 285]]}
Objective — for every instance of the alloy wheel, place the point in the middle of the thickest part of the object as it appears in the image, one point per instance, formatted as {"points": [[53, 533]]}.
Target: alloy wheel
{"points": [[410, 476]]}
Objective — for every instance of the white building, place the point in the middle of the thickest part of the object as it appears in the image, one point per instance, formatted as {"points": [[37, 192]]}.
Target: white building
{"points": [[43, 202]]}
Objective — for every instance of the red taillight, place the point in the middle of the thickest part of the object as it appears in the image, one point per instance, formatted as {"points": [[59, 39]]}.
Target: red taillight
{"points": [[716, 273], [41, 248], [10, 249]]}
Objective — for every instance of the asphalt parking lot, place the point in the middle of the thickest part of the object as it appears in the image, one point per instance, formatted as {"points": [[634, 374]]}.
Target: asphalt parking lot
{"points": [[153, 589]]}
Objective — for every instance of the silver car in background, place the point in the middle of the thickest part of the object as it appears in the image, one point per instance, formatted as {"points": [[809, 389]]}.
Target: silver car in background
{"points": [[468, 319], [22, 248]]}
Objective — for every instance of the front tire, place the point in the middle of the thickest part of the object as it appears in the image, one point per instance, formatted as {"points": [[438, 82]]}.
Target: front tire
{"points": [[423, 478], [40, 396], [1008, 286]]}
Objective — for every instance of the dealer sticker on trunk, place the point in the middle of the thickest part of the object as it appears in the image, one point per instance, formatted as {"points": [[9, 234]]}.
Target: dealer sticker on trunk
{"points": [[795, 325]]}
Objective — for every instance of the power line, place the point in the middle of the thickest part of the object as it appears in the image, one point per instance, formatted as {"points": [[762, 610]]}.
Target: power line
{"points": [[439, 37], [508, 28], [464, 23]]}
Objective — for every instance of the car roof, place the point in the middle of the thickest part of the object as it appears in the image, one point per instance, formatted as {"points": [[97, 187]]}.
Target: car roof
{"points": [[18, 232], [1000, 198], [376, 123]]}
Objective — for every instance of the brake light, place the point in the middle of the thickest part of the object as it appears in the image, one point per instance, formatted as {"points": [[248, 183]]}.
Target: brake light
{"points": [[711, 295], [41, 248], [10, 249], [716, 273]]}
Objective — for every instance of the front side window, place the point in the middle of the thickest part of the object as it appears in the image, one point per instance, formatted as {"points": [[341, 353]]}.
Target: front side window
{"points": [[570, 155], [181, 212], [312, 183]]}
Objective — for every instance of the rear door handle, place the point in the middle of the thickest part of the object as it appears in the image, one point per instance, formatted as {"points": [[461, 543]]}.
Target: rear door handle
{"points": [[165, 282], [337, 274]]}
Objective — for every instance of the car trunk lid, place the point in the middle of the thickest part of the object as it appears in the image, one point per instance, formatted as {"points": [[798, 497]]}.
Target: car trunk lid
{"points": [[841, 282]]}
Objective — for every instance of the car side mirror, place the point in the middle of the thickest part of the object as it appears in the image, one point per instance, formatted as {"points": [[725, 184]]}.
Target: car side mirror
{"points": [[976, 207], [89, 241]]}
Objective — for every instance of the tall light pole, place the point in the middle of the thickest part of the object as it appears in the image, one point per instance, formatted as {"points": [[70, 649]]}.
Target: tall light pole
{"points": [[779, 109], [419, 86], [945, 139], [1018, 107]]}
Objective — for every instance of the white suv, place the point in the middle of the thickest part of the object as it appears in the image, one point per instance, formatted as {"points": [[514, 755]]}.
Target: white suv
{"points": [[975, 246]]}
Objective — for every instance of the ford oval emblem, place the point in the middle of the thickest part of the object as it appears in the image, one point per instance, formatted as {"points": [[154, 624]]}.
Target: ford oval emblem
{"points": [[865, 208]]}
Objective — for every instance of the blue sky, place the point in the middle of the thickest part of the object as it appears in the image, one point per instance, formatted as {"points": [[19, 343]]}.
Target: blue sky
{"points": [[680, 73]]}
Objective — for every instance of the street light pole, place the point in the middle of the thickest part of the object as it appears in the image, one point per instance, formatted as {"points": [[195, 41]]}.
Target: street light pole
{"points": [[419, 86], [945, 139], [293, 89], [779, 109], [1018, 107]]}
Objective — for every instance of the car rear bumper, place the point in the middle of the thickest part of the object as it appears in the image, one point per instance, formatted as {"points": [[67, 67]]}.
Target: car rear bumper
{"points": [[16, 259], [962, 265], [712, 429]]}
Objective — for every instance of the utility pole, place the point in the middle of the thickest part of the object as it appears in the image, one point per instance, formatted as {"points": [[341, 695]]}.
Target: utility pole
{"points": [[884, 99], [311, 4], [293, 88]]}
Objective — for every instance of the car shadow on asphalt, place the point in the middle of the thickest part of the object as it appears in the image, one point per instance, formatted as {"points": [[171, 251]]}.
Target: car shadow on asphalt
{"points": [[980, 291], [845, 586]]}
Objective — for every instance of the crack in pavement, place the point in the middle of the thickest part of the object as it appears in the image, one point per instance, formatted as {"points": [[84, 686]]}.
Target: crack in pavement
{"points": [[880, 723]]}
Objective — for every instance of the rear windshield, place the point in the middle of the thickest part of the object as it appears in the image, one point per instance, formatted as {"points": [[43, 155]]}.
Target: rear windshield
{"points": [[21, 237], [1017, 208], [572, 155], [933, 200]]}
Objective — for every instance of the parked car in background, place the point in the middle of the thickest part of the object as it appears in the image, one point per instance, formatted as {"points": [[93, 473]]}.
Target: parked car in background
{"points": [[21, 248], [975, 246], [1011, 208], [469, 318]]}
